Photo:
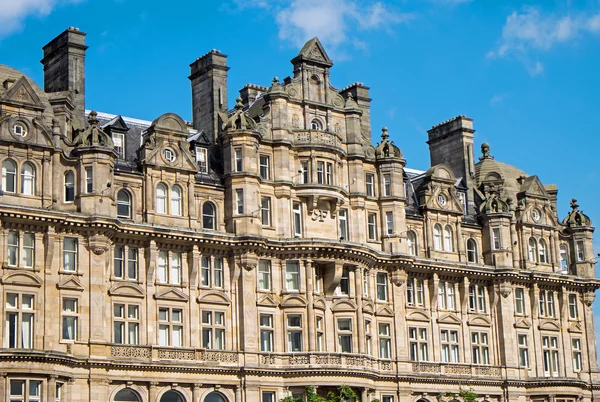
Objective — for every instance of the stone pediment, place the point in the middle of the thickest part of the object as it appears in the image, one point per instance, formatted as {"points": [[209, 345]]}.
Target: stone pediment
{"points": [[343, 305], [575, 327], [183, 159], [22, 278], [265, 300], [313, 51], [522, 323], [385, 311], [172, 294], [71, 283], [449, 318], [548, 325], [22, 93], [214, 297], [293, 301], [418, 316], [320, 304], [532, 186], [368, 307], [127, 290], [479, 321]]}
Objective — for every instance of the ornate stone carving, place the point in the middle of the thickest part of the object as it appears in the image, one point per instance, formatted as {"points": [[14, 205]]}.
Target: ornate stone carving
{"points": [[130, 352], [175, 354], [505, 289], [220, 357], [98, 244], [588, 298]]}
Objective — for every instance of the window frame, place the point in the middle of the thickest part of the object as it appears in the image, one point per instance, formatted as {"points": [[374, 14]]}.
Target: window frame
{"points": [[372, 226], [20, 313], [264, 273], [122, 203], [265, 211], [418, 343], [69, 319], [74, 253], [370, 184], [28, 177], [264, 166], [294, 333], [127, 323], [292, 279], [216, 327], [480, 348], [12, 174], [171, 325], [382, 286], [211, 217]]}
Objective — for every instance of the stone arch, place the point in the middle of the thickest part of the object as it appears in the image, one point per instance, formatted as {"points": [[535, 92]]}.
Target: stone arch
{"points": [[226, 394], [140, 392]]}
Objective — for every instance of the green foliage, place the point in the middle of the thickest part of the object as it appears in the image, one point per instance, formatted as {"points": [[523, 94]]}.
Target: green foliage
{"points": [[465, 395], [343, 393]]}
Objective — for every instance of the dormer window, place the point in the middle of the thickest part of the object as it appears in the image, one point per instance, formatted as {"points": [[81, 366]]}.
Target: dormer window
{"points": [[169, 155], [20, 130], [119, 143], [202, 159], [316, 125]]}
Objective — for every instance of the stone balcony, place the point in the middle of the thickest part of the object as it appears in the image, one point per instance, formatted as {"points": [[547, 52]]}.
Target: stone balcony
{"points": [[315, 138], [456, 369]]}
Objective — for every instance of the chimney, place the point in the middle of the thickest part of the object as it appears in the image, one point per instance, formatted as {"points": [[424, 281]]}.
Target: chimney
{"points": [[64, 69], [208, 75]]}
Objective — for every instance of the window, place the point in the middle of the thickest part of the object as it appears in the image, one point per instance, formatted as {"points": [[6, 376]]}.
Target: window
{"points": [[368, 337], [343, 224], [292, 276], [411, 242], [129, 395], [265, 211], [294, 332], [218, 273], [239, 197], [382, 290], [372, 226], [370, 183], [89, 180], [414, 292], [533, 253], [123, 204], [9, 176], [169, 269], [496, 243], [523, 350], [264, 164], [543, 252], [170, 327], [202, 159], [20, 311], [519, 300], [20, 130], [344, 335], [27, 179], [297, 219], [208, 216], [264, 275], [213, 330], [387, 185], [320, 334], [573, 311], [119, 143], [365, 283], [21, 249], [577, 355], [69, 187], [176, 193], [564, 259], [387, 398], [126, 324], [320, 172], [418, 344], [25, 391], [385, 341], [550, 353], [546, 303], [169, 155], [238, 160], [448, 239], [437, 237], [69, 319], [316, 125], [579, 247], [449, 340], [161, 199], [211, 272], [70, 254], [477, 298], [480, 348], [305, 171], [345, 281], [266, 332], [446, 295], [389, 222], [58, 394], [471, 250], [329, 173], [268, 396]]}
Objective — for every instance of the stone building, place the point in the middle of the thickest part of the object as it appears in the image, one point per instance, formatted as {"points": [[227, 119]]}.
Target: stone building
{"points": [[258, 250]]}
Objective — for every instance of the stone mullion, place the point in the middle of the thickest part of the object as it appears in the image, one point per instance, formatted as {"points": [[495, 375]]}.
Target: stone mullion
{"points": [[360, 324], [588, 300], [310, 312], [464, 318], [567, 352], [514, 238], [534, 296]]}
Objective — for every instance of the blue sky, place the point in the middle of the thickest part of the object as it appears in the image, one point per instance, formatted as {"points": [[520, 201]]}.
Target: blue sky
{"points": [[526, 72]]}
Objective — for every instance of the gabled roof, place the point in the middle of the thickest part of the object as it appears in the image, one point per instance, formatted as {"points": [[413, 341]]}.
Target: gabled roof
{"points": [[313, 51], [116, 123]]}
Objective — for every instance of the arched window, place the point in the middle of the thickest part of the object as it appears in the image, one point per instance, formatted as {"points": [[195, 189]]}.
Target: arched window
{"points": [[176, 200], [564, 259], [9, 176], [161, 199], [448, 239], [533, 254], [123, 204], [127, 395], [208, 216], [316, 125], [543, 252], [437, 237], [471, 250], [172, 396], [215, 397], [411, 241], [69, 186], [28, 179]]}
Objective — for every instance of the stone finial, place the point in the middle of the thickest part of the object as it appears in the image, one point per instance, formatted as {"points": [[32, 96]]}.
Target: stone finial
{"points": [[485, 151], [238, 104], [574, 204], [384, 134], [275, 80], [93, 118], [349, 96]]}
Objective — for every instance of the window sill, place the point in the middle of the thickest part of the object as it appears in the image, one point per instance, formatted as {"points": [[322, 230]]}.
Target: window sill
{"points": [[76, 273], [170, 285], [123, 280], [17, 267]]}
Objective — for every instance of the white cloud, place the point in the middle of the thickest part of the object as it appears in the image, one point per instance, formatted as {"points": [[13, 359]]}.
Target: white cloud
{"points": [[14, 12], [498, 98]]}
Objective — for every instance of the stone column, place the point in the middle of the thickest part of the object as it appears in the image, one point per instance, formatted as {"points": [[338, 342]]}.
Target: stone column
{"points": [[152, 391], [534, 297], [514, 238], [196, 388], [506, 327], [51, 388], [309, 273], [460, 246], [98, 390], [466, 341], [238, 394], [151, 309], [358, 284], [588, 300], [2, 385], [194, 268], [48, 194], [98, 261], [248, 311]]}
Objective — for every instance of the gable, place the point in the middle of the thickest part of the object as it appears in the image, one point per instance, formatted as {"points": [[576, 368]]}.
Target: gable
{"points": [[522, 323], [343, 305], [116, 123], [127, 290], [368, 307], [418, 316], [385, 311], [548, 325], [213, 297], [266, 301], [532, 186], [293, 301], [313, 50], [22, 278], [449, 318], [171, 294], [576, 328], [479, 321], [184, 160], [71, 283], [22, 93]]}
